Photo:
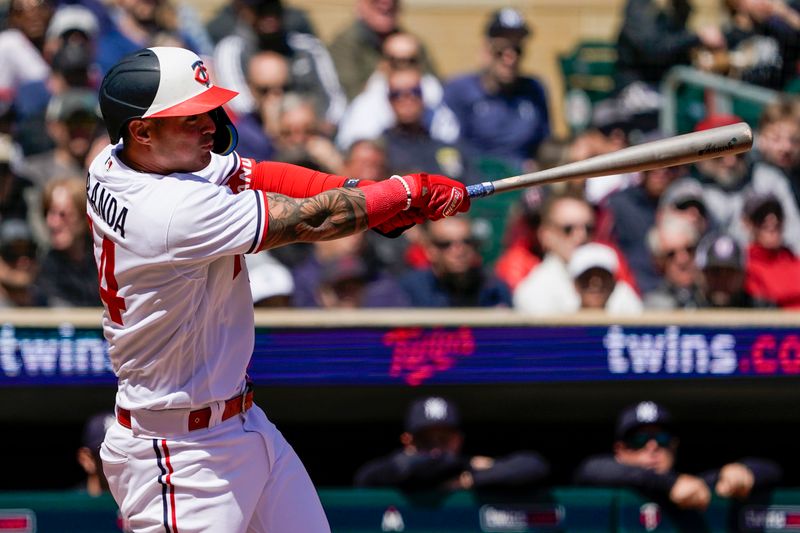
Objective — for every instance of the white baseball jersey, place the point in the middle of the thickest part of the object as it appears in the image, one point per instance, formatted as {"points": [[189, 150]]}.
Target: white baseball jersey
{"points": [[178, 308]]}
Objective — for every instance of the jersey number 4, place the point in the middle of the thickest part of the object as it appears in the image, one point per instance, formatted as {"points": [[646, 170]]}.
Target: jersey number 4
{"points": [[108, 293]]}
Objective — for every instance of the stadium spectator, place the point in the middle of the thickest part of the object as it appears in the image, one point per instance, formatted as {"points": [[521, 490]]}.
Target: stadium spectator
{"points": [[772, 269], [455, 276], [68, 275], [223, 23], [271, 283], [73, 124], [644, 453], [593, 268], [71, 69], [357, 49], [333, 261], [721, 264], [343, 283], [501, 114], [88, 454], [673, 242], [268, 80], [567, 221], [778, 144], [18, 265], [590, 143], [370, 112], [727, 179], [366, 160], [129, 25], [260, 27], [763, 41], [13, 188], [132, 25], [432, 457], [627, 216], [410, 146], [300, 140], [22, 45], [684, 198], [654, 37], [522, 251]]}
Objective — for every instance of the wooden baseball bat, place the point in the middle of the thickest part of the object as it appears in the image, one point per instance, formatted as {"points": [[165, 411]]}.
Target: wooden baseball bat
{"points": [[669, 152]]}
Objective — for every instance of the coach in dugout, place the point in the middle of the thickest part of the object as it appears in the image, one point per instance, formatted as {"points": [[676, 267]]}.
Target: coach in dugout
{"points": [[644, 459], [432, 457]]}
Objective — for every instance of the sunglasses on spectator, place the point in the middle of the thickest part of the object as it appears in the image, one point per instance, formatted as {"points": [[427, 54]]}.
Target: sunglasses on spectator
{"points": [[569, 229], [499, 50], [638, 441], [416, 92], [445, 244], [672, 254], [264, 90], [397, 62]]}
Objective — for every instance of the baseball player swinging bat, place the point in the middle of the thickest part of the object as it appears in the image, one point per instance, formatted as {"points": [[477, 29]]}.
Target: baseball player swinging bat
{"points": [[678, 150]]}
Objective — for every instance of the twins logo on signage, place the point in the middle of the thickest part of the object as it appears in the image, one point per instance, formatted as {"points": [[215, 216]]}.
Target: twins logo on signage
{"points": [[650, 516], [201, 73]]}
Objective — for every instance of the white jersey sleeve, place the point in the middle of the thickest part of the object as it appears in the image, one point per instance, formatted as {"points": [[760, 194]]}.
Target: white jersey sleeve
{"points": [[210, 221]]}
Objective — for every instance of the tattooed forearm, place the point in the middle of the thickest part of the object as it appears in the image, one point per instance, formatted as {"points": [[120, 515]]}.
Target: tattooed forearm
{"points": [[328, 215]]}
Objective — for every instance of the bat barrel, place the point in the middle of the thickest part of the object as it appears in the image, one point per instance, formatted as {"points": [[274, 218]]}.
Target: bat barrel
{"points": [[672, 151]]}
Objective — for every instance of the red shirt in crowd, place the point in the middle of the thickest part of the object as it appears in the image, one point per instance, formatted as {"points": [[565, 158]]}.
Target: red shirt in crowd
{"points": [[773, 275]]}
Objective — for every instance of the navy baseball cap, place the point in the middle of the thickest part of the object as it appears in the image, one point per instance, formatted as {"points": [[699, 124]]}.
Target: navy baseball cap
{"points": [[644, 413], [429, 412], [506, 21], [719, 250]]}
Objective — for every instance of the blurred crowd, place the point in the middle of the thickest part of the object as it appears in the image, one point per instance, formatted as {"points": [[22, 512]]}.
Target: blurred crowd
{"points": [[370, 103]]}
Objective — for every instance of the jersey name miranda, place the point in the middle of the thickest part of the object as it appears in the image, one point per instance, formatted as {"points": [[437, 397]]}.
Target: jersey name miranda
{"points": [[178, 309]]}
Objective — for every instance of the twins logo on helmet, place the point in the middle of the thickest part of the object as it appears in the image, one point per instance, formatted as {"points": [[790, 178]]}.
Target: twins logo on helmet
{"points": [[201, 73]]}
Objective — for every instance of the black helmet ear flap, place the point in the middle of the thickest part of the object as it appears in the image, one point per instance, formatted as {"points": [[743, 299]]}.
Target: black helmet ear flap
{"points": [[226, 137]]}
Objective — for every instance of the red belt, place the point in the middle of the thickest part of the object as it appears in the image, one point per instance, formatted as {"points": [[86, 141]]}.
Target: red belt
{"points": [[200, 418]]}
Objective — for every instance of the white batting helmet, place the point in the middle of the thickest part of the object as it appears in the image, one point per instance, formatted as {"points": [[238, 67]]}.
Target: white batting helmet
{"points": [[164, 82]]}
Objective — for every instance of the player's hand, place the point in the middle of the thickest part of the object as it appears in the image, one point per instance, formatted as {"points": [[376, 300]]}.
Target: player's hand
{"points": [[395, 226], [735, 481], [437, 196], [690, 492]]}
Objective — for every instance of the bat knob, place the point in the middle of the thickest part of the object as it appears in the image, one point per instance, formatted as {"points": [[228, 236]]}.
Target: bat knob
{"points": [[478, 190]]}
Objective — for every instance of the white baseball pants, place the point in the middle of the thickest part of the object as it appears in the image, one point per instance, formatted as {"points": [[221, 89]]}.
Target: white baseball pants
{"points": [[238, 476]]}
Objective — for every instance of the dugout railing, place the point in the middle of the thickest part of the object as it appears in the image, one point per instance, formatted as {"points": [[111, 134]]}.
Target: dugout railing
{"points": [[560, 509]]}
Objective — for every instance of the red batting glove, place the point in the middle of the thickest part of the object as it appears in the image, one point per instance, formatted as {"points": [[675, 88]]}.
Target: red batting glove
{"points": [[437, 196], [395, 226]]}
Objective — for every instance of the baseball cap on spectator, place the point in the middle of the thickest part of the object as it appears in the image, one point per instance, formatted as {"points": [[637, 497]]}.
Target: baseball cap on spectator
{"points": [[717, 121], [71, 57], [64, 105], [265, 7], [268, 277], [507, 21], [592, 255], [719, 250], [429, 412], [94, 431], [758, 205], [70, 18], [642, 414], [684, 193], [16, 240]]}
